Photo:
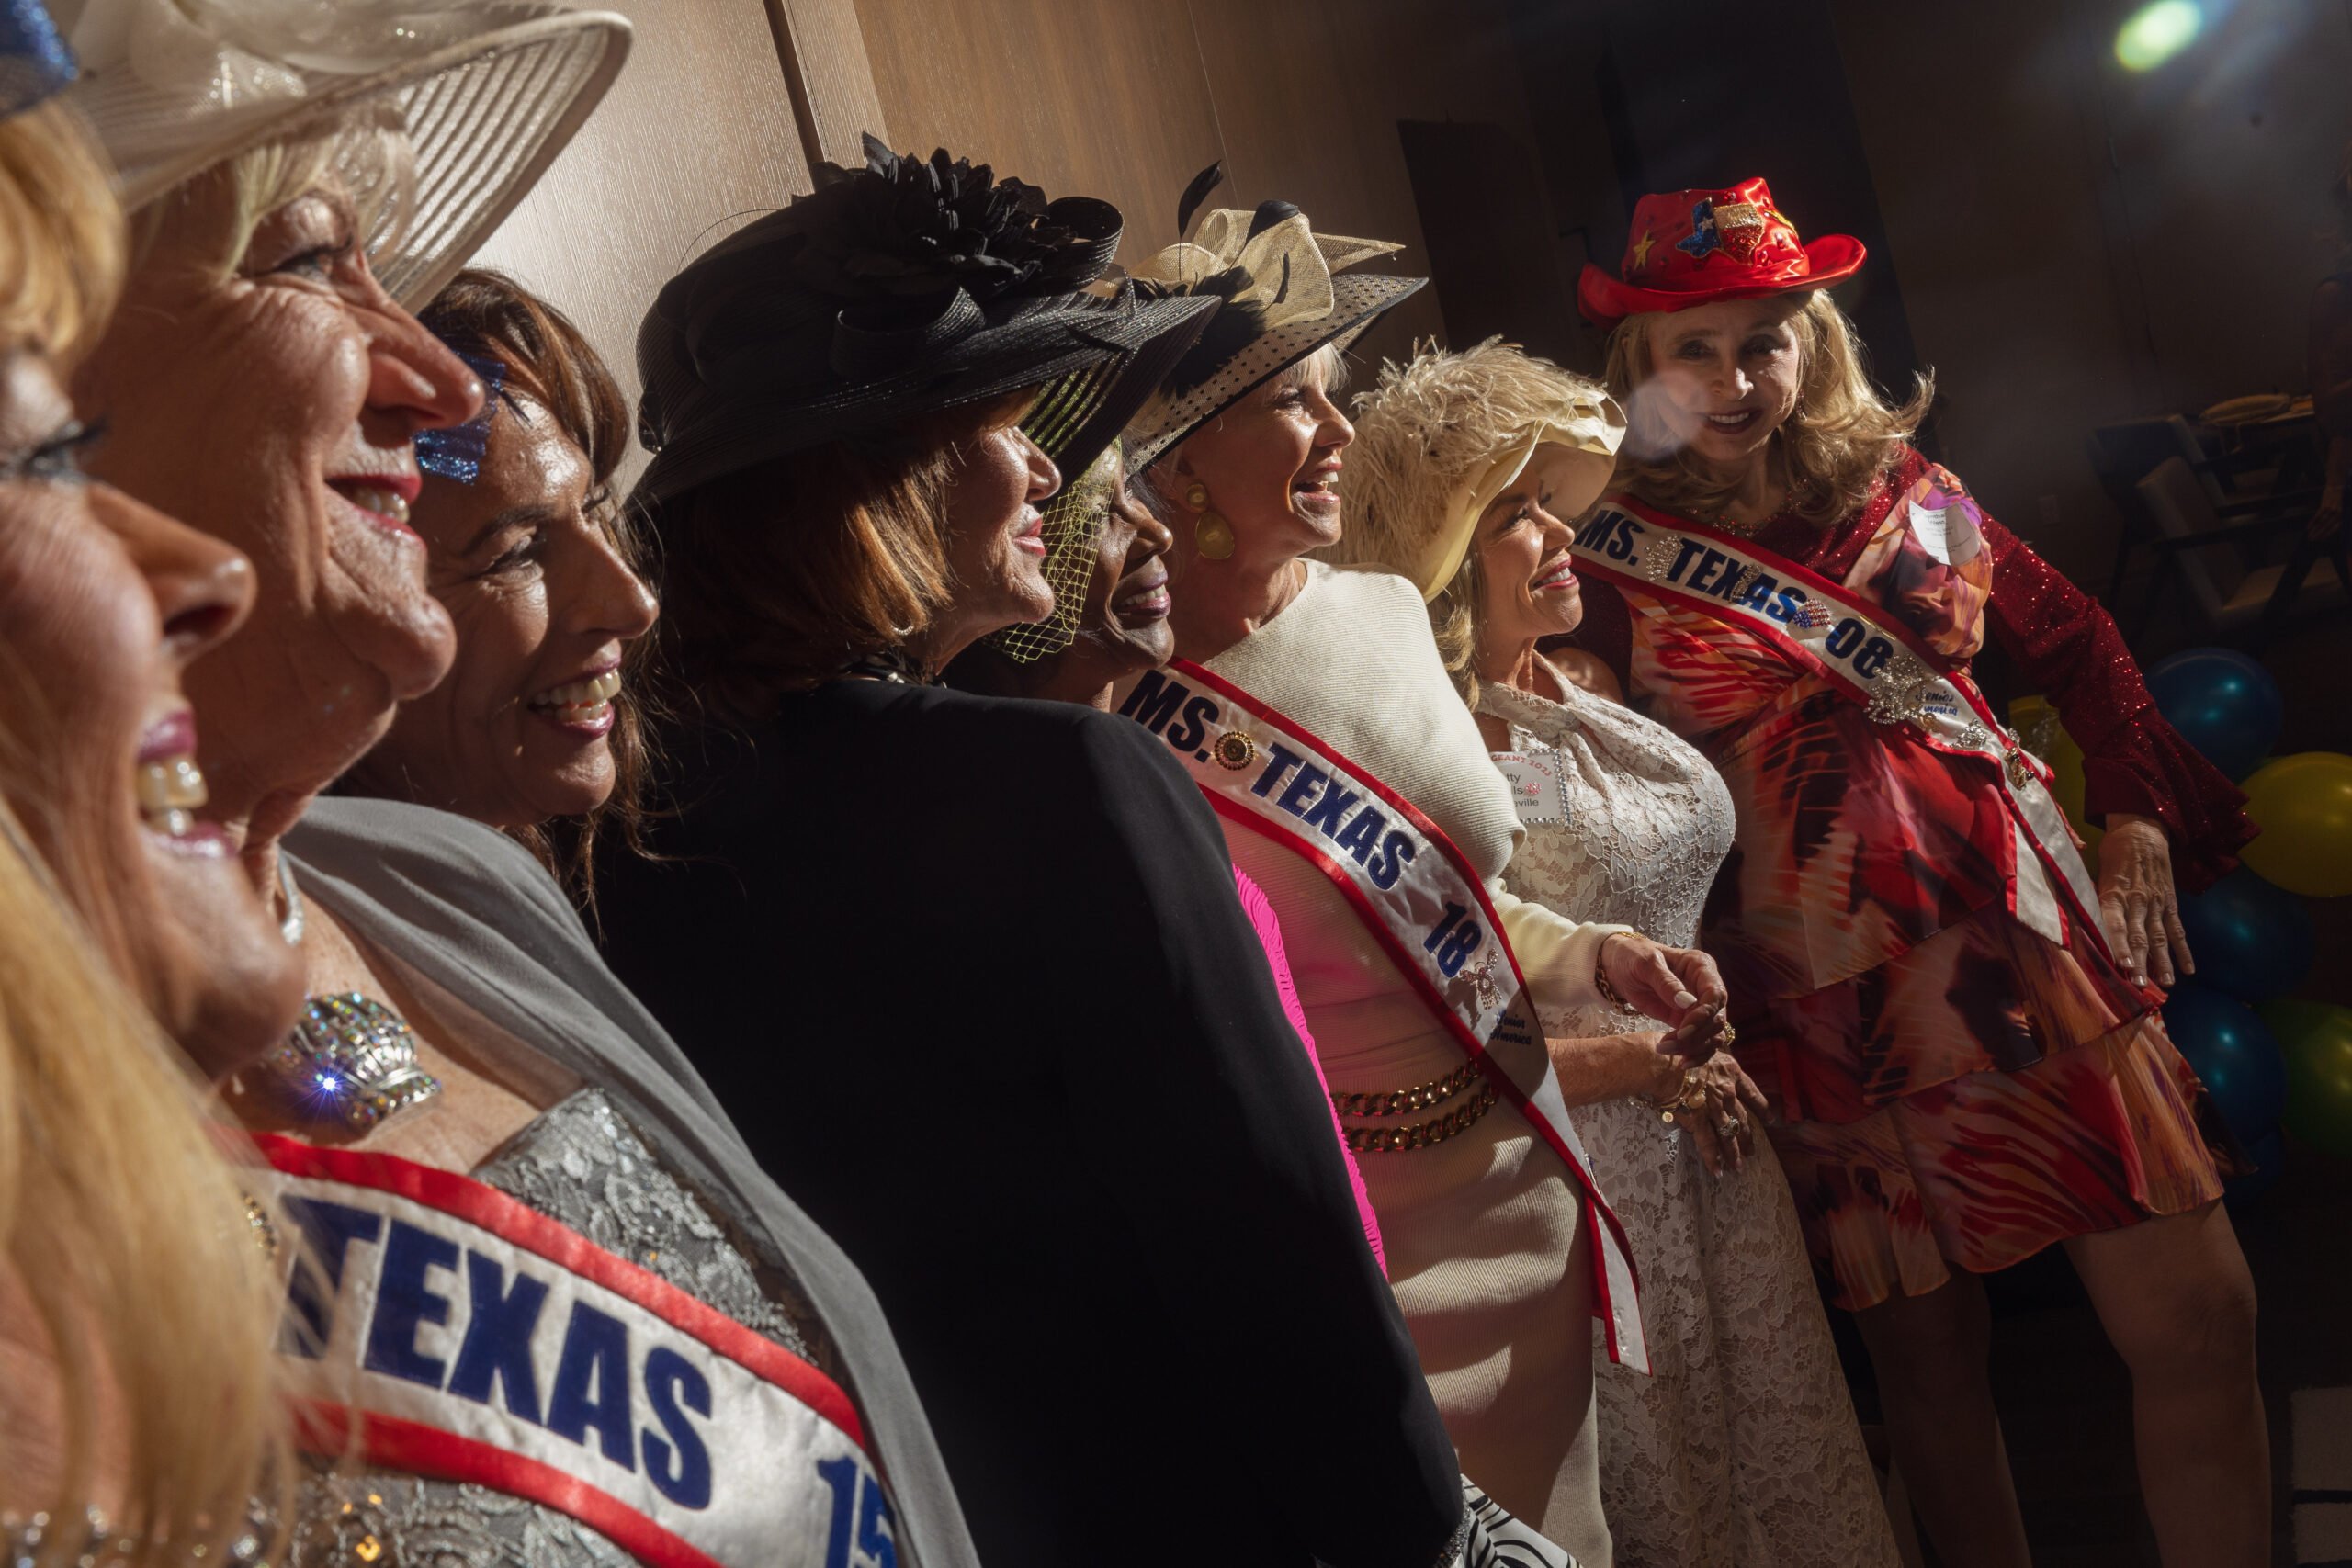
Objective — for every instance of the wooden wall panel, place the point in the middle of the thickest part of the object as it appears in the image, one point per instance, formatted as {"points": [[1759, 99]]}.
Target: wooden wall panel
{"points": [[1079, 96], [696, 136]]}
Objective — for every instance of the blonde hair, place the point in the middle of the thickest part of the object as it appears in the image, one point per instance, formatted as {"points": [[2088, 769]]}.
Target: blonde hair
{"points": [[121, 1226], [1832, 449], [62, 231], [369, 159], [1425, 430]]}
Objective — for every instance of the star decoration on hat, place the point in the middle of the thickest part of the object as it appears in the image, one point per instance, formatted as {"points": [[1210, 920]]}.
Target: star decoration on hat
{"points": [[1641, 252]]}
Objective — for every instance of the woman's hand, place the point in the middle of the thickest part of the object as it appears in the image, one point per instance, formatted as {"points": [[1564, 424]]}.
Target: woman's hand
{"points": [[2137, 903], [1674, 985], [2328, 516], [1720, 1108]]}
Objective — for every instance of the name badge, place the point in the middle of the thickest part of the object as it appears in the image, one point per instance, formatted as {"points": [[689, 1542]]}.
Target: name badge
{"points": [[1539, 784]]}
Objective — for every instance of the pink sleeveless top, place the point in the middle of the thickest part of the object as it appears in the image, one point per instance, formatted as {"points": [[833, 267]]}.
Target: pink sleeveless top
{"points": [[1270, 937]]}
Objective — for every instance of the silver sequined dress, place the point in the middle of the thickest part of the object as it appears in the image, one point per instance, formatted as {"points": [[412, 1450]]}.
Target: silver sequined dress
{"points": [[582, 1165], [1741, 1452]]}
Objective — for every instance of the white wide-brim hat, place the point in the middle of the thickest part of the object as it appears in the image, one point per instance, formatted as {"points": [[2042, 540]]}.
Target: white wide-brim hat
{"points": [[490, 91]]}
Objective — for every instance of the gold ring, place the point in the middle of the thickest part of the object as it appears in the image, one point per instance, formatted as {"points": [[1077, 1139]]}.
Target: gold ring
{"points": [[1731, 1035], [1728, 1127]]}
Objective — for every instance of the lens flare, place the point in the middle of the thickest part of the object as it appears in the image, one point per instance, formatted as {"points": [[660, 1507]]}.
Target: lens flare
{"points": [[2155, 33]]}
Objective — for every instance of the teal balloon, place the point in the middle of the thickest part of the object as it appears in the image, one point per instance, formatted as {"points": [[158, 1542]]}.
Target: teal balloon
{"points": [[2223, 703], [2233, 1054], [2251, 939], [2317, 1039]]}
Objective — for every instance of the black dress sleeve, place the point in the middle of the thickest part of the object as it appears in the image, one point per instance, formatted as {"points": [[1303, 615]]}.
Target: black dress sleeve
{"points": [[1199, 1103]]}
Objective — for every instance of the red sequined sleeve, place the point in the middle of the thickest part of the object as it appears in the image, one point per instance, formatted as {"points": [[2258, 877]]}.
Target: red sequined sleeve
{"points": [[2134, 761]]}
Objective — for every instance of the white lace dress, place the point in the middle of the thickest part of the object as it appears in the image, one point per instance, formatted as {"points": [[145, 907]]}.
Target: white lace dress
{"points": [[1741, 1452]]}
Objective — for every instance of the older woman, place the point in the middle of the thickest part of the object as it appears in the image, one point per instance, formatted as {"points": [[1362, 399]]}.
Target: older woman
{"points": [[1001, 960], [1106, 559], [533, 731], [558, 1317], [1309, 704], [1952, 1012], [1741, 1446], [122, 1391]]}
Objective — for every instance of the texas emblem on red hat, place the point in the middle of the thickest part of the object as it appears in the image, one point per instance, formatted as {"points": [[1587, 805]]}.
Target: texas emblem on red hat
{"points": [[1692, 248]]}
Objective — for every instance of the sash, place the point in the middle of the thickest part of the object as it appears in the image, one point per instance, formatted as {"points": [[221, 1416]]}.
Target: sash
{"points": [[482, 1341], [1825, 628], [1416, 894]]}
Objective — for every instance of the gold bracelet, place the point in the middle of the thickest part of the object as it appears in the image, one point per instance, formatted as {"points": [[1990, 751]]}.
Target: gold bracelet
{"points": [[1601, 976], [1668, 1108]]}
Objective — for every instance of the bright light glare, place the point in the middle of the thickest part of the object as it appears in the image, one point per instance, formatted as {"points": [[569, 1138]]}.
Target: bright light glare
{"points": [[2155, 33]]}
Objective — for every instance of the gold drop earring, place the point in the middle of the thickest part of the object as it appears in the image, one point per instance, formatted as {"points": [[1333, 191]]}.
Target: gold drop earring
{"points": [[1212, 535]]}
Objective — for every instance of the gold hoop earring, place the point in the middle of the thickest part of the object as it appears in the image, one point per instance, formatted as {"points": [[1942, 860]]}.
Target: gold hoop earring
{"points": [[1212, 535]]}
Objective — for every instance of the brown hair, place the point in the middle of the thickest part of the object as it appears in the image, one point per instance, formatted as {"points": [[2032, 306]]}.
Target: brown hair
{"points": [[546, 359], [777, 576], [1840, 437]]}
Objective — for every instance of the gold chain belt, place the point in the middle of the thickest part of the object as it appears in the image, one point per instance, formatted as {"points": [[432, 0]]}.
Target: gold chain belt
{"points": [[1422, 1135], [1402, 1101]]}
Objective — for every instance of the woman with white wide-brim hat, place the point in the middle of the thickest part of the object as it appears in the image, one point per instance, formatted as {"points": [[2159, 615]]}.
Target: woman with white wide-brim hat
{"points": [[551, 1312]]}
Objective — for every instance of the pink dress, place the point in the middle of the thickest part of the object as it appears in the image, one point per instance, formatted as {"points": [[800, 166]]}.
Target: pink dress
{"points": [[1270, 937]]}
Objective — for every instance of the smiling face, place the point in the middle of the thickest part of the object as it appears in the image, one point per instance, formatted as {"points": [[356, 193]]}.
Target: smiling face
{"points": [[545, 608], [1527, 582], [275, 408], [1125, 618], [996, 540], [1270, 465], [103, 605], [1723, 378]]}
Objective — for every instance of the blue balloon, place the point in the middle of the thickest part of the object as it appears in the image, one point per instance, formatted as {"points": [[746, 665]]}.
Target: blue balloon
{"points": [[2223, 703], [2251, 940], [2233, 1054], [2268, 1152]]}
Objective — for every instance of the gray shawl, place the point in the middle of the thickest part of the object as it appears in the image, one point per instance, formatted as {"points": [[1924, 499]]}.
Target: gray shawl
{"points": [[470, 909]]}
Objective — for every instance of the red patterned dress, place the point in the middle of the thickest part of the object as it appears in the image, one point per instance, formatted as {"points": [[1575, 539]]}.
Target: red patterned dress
{"points": [[1955, 1086]]}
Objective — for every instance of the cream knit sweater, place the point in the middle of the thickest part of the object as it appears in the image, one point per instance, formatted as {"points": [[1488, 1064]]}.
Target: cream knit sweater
{"points": [[1352, 659]]}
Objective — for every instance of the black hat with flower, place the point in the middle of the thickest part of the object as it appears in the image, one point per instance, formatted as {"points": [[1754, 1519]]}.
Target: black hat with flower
{"points": [[902, 289]]}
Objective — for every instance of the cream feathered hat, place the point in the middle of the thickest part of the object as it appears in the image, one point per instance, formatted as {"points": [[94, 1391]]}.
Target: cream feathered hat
{"points": [[1284, 300], [490, 91], [1438, 438]]}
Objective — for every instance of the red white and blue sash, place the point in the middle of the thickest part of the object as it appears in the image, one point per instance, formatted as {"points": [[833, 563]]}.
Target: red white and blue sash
{"points": [[1866, 656], [445, 1330], [1415, 893]]}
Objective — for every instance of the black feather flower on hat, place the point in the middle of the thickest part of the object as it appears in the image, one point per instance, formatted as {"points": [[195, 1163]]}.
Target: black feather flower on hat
{"points": [[907, 227]]}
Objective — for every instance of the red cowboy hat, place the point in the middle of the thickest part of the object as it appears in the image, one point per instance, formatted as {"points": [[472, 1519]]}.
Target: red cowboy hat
{"points": [[1692, 248]]}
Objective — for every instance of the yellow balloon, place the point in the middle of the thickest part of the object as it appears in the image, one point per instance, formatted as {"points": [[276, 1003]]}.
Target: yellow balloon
{"points": [[2303, 805], [2036, 722]]}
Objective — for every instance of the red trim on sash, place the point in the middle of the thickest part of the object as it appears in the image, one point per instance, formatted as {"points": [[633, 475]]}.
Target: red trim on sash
{"points": [[325, 1427], [1875, 617], [491, 1210], [1409, 966]]}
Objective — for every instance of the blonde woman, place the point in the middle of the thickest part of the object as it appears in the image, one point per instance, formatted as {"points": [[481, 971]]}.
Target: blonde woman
{"points": [[559, 1315], [133, 1408], [1740, 1448], [1953, 1017]]}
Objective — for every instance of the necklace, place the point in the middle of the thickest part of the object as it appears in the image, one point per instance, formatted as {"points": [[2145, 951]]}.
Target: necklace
{"points": [[351, 1059], [893, 665]]}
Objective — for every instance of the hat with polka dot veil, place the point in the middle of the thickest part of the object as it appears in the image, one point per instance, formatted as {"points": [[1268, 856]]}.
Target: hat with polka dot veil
{"points": [[489, 91], [1283, 300]]}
